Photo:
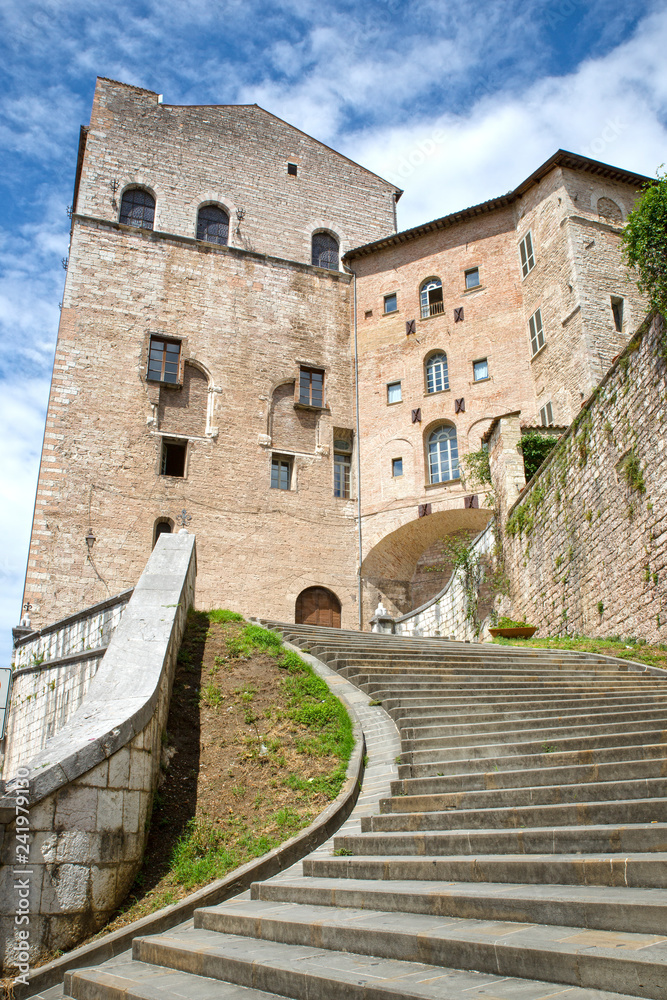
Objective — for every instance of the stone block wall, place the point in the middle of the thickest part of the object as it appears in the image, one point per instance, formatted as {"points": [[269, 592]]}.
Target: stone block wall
{"points": [[585, 545], [89, 792]]}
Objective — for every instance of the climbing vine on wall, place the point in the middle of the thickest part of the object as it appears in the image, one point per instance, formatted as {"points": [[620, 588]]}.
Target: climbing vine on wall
{"points": [[535, 447]]}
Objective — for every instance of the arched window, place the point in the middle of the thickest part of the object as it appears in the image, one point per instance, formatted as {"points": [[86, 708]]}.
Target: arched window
{"points": [[430, 298], [137, 208], [437, 377], [443, 455], [161, 528], [325, 251], [213, 225]]}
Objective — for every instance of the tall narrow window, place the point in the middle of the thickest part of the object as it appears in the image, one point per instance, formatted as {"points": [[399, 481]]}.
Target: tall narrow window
{"points": [[325, 251], [617, 313], [547, 415], [137, 208], [396, 467], [213, 225], [164, 361], [311, 387], [281, 473], [430, 298], [443, 455], [391, 303], [437, 378], [394, 394], [527, 255], [536, 332], [342, 466]]}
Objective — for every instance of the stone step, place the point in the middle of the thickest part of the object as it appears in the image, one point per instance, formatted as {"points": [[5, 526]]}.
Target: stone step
{"points": [[594, 907], [546, 741], [315, 973], [529, 795], [424, 707], [461, 715], [404, 691], [593, 718], [352, 668], [575, 956], [626, 837], [653, 764], [585, 813], [140, 981], [505, 760], [634, 869]]}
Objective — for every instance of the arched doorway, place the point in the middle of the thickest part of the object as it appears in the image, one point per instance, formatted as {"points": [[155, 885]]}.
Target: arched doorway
{"points": [[161, 528], [317, 606]]}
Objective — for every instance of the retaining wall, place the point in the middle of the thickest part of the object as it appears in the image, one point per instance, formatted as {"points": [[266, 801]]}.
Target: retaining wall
{"points": [[86, 797], [585, 544]]}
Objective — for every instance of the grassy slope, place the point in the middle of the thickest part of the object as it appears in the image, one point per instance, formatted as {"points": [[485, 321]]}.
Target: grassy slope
{"points": [[625, 649]]}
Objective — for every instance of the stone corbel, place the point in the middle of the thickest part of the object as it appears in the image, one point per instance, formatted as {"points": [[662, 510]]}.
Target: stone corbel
{"points": [[322, 449], [264, 440]]}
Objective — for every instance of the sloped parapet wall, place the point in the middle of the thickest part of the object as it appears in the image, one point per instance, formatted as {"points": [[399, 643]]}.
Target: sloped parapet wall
{"points": [[585, 545], [85, 800], [53, 669]]}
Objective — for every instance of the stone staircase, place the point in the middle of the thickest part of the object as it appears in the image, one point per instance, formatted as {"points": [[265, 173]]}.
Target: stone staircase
{"points": [[520, 855]]}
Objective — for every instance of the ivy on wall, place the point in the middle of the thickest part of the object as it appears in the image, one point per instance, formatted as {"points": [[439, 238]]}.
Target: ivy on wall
{"points": [[535, 447]]}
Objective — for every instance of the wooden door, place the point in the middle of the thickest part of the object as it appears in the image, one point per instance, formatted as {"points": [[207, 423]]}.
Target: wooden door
{"points": [[317, 606]]}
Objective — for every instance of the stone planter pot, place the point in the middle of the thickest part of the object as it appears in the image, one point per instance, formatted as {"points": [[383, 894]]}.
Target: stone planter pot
{"points": [[518, 632]]}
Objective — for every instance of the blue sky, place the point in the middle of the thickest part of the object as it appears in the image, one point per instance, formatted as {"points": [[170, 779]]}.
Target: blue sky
{"points": [[454, 101]]}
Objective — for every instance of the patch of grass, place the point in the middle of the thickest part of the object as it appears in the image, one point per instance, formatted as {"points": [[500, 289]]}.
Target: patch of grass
{"points": [[623, 648], [222, 616], [211, 696]]}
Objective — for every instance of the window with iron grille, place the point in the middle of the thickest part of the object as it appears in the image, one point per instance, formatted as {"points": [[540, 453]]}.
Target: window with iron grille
{"points": [[536, 332], [437, 377], [213, 225], [281, 473], [430, 298], [527, 255], [325, 251], [443, 455], [547, 415], [137, 208], [342, 466], [311, 387], [164, 361]]}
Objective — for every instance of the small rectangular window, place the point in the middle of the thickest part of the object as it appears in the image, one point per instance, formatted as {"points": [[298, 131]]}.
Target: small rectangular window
{"points": [[394, 394], [396, 467], [617, 313], [527, 255], [536, 332], [173, 459], [281, 473], [164, 361], [480, 370], [311, 387], [547, 415], [291, 169], [391, 303], [342, 466], [472, 277]]}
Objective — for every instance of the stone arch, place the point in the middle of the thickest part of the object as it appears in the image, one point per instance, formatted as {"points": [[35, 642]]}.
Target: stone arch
{"points": [[389, 567], [610, 211], [163, 526], [291, 429], [184, 409], [317, 606]]}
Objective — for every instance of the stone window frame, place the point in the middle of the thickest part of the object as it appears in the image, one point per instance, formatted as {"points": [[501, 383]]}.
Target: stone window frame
{"points": [[146, 190], [536, 333], [527, 254], [222, 208], [428, 361], [321, 231], [278, 461]]}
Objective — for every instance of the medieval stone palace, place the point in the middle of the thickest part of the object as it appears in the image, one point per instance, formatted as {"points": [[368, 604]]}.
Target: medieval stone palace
{"points": [[247, 346]]}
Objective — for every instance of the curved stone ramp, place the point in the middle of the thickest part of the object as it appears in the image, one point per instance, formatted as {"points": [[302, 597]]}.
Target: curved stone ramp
{"points": [[520, 855]]}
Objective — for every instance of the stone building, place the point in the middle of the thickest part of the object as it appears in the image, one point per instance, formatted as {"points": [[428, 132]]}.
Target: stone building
{"points": [[223, 265]]}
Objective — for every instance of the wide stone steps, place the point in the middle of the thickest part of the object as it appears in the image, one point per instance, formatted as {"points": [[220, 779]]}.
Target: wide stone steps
{"points": [[520, 855], [634, 869], [599, 907]]}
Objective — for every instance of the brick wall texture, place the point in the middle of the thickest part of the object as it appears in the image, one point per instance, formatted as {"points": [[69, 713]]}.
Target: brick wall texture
{"points": [[585, 547]]}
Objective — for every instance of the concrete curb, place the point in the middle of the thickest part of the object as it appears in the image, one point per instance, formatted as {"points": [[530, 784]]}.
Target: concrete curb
{"points": [[238, 881]]}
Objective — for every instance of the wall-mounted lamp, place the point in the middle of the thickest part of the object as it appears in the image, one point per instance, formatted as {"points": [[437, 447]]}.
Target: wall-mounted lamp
{"points": [[90, 539]]}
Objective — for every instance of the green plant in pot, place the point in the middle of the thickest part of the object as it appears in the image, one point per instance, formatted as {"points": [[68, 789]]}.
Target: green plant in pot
{"points": [[508, 628]]}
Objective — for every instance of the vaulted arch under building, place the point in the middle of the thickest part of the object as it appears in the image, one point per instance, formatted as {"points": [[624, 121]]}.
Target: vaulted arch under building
{"points": [[408, 566]]}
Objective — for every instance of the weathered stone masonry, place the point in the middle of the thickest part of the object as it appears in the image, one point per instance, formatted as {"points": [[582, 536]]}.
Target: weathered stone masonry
{"points": [[585, 546]]}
